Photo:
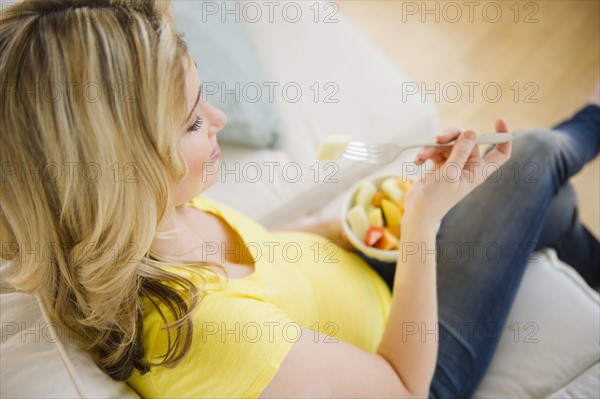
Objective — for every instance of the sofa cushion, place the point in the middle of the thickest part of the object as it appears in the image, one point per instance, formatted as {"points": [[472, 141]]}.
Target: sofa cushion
{"points": [[550, 346], [229, 72], [40, 360]]}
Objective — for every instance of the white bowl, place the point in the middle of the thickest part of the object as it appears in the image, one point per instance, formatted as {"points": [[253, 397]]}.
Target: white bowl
{"points": [[379, 254]]}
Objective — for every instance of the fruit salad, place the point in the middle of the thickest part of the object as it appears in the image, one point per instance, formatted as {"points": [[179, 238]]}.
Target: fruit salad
{"points": [[376, 212]]}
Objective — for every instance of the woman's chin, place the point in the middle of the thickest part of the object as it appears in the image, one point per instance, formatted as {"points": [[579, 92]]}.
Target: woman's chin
{"points": [[205, 184]]}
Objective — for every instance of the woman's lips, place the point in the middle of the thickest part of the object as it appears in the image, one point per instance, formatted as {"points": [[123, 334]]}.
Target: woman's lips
{"points": [[215, 154]]}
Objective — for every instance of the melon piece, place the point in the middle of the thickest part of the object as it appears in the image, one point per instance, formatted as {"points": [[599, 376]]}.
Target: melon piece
{"points": [[333, 147], [392, 190], [375, 217], [364, 194], [358, 221], [388, 241], [392, 212]]}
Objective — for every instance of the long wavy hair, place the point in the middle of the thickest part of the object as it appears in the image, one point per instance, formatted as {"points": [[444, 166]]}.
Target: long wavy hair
{"points": [[92, 100]]}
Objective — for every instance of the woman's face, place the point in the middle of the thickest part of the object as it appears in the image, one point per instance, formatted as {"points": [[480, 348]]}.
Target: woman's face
{"points": [[198, 139]]}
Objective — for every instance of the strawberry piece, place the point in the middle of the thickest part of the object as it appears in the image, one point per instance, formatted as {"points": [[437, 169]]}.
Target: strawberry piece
{"points": [[388, 241], [373, 235]]}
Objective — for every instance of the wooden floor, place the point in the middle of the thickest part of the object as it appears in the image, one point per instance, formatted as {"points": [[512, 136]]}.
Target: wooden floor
{"points": [[543, 55]]}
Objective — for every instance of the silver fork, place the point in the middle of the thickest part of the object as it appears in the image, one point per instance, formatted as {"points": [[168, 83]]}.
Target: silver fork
{"points": [[387, 152]]}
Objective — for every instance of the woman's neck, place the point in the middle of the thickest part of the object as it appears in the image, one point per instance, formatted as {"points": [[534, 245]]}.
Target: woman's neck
{"points": [[168, 241]]}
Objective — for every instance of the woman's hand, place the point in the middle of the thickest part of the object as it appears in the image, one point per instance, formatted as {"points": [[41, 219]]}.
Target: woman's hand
{"points": [[458, 169]]}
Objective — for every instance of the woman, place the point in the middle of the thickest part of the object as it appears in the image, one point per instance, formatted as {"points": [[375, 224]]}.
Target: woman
{"points": [[159, 282]]}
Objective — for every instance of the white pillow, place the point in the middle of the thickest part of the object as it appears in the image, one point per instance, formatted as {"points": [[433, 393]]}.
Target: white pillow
{"points": [[38, 360], [550, 346]]}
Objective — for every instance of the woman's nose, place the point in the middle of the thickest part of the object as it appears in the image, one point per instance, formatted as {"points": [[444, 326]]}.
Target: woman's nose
{"points": [[217, 118]]}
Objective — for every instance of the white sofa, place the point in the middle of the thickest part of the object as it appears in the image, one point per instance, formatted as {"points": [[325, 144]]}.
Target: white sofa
{"points": [[557, 350]]}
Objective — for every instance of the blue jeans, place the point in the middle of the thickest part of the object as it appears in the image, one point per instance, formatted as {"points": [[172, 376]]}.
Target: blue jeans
{"points": [[484, 244]]}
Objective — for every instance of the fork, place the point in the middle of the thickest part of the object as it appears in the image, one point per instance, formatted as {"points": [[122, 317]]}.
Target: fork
{"points": [[387, 152]]}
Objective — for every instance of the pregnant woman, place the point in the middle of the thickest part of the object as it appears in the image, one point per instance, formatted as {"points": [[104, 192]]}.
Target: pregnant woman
{"points": [[104, 142]]}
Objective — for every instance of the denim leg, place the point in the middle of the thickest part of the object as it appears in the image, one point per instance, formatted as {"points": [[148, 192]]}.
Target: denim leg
{"points": [[587, 119], [484, 244], [573, 243]]}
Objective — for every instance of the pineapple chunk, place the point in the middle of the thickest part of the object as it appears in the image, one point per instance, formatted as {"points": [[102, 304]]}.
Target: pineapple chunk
{"points": [[395, 230], [333, 147], [375, 217], [404, 183], [377, 198], [402, 204], [388, 241], [392, 212], [392, 190]]}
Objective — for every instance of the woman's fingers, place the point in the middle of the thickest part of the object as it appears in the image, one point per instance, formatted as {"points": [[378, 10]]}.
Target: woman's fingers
{"points": [[439, 154], [464, 154], [432, 153], [462, 150], [502, 127], [501, 153], [439, 158], [449, 134]]}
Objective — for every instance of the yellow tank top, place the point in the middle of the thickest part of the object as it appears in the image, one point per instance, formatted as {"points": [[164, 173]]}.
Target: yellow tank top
{"points": [[244, 328]]}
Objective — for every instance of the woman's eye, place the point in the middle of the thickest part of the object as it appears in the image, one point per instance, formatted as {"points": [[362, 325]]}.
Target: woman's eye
{"points": [[197, 124]]}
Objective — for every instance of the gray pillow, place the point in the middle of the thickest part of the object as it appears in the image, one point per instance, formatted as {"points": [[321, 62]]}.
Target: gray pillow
{"points": [[230, 73]]}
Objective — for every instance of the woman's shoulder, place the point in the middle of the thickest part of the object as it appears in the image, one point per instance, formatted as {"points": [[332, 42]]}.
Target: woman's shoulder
{"points": [[206, 203], [232, 215], [202, 201]]}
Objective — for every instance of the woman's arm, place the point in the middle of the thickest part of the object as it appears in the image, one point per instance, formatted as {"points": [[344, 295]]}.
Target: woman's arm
{"points": [[410, 342]]}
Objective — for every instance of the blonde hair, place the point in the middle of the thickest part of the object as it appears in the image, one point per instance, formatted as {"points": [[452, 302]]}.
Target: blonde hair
{"points": [[92, 101]]}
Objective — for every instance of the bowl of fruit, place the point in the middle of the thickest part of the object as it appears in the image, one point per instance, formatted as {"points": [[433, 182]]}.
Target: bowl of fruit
{"points": [[372, 214]]}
